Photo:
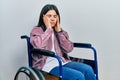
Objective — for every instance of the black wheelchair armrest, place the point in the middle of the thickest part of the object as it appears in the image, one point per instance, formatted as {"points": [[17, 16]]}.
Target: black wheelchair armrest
{"points": [[43, 52], [82, 45]]}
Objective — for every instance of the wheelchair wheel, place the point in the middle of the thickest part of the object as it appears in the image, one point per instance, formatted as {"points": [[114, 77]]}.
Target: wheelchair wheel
{"points": [[27, 73]]}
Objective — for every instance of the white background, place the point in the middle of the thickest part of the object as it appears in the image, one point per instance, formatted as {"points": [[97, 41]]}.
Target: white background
{"points": [[91, 21]]}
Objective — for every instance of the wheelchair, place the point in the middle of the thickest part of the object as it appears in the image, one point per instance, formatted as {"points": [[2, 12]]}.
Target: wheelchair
{"points": [[48, 76]]}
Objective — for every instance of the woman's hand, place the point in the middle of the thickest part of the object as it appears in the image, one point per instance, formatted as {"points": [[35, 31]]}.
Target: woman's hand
{"points": [[57, 27], [46, 21]]}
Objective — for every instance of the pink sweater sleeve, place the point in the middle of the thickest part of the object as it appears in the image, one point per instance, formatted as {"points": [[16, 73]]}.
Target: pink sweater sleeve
{"points": [[65, 43], [38, 38]]}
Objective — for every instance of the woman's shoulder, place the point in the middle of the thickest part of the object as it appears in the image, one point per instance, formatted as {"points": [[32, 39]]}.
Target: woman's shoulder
{"points": [[37, 29]]}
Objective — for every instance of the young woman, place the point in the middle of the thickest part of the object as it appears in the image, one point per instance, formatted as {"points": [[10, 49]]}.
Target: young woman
{"points": [[49, 35]]}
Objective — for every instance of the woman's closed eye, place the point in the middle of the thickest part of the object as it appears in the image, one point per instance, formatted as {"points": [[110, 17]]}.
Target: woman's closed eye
{"points": [[49, 16]]}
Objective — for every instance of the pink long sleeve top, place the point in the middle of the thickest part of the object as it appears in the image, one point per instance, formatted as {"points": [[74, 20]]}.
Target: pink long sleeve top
{"points": [[43, 40]]}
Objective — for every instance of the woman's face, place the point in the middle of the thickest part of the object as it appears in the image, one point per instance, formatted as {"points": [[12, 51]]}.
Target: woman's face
{"points": [[50, 18]]}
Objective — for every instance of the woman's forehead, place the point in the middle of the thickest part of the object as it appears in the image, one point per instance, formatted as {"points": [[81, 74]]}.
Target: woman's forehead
{"points": [[51, 12]]}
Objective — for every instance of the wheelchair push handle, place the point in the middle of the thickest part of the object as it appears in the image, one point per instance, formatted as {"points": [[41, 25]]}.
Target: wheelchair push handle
{"points": [[24, 36], [82, 45]]}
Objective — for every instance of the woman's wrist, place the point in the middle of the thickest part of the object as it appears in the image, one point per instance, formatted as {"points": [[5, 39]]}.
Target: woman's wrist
{"points": [[60, 31]]}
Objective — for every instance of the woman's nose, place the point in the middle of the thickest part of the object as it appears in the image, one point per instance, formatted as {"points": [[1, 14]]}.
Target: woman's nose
{"points": [[52, 18]]}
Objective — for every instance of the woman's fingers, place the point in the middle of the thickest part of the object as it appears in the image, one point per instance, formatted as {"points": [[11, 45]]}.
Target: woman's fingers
{"points": [[46, 21]]}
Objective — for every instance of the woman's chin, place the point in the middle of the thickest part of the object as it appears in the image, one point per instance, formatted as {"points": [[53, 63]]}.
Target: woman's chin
{"points": [[53, 26]]}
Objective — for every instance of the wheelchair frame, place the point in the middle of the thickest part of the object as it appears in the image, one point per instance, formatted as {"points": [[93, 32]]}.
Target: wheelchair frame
{"points": [[92, 63]]}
